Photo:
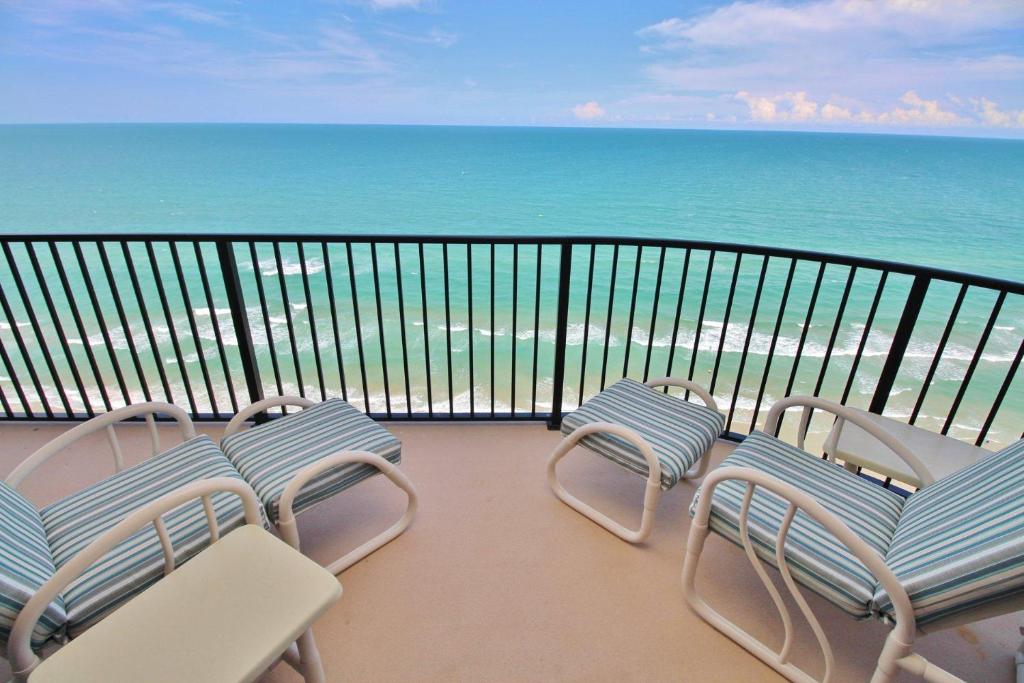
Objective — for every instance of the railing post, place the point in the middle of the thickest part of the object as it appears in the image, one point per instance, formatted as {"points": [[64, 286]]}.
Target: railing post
{"points": [[240, 320], [908, 320], [562, 322]]}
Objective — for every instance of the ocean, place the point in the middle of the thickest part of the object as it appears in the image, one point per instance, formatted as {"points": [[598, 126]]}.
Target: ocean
{"points": [[949, 202]]}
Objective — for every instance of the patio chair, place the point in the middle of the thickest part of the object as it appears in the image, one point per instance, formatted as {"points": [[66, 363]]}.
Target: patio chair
{"points": [[36, 542], [298, 460], [243, 603], [658, 436], [950, 554]]}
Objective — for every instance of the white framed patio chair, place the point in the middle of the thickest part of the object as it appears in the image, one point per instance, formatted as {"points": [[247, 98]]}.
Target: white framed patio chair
{"points": [[303, 458], [36, 542], [243, 603], [660, 437], [950, 554]]}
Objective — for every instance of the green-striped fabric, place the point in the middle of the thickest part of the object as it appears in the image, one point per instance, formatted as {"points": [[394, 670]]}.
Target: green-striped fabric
{"points": [[960, 541], [269, 455], [132, 566], [25, 565], [815, 558], [678, 431]]}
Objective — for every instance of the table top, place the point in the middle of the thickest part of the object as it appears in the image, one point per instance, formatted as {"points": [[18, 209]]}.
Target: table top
{"points": [[942, 455], [225, 616]]}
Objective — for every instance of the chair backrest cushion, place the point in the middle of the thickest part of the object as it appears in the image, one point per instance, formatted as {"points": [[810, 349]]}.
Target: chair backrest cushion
{"points": [[25, 565], [960, 542]]}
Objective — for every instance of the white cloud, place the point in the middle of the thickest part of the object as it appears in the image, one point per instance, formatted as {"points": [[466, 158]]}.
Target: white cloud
{"points": [[798, 107], [762, 22], [992, 115], [588, 111], [787, 59]]}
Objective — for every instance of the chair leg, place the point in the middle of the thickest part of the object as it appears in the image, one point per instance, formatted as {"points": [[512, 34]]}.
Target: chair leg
{"points": [[652, 494], [310, 667], [286, 523]]}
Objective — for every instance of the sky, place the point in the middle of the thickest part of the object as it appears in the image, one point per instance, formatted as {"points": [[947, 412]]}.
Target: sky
{"points": [[953, 67]]}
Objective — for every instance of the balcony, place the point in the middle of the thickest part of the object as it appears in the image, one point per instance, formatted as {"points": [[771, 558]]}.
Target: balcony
{"points": [[467, 349]]}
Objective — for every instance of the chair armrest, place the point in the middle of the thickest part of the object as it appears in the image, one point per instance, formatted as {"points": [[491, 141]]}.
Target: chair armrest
{"points": [[844, 414], [258, 407], [19, 651], [800, 500], [687, 384], [105, 421]]}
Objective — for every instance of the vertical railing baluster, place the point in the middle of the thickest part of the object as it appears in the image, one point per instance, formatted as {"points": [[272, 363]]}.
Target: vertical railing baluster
{"points": [[771, 347], [561, 324], [90, 287], [129, 337], [725, 321], [746, 343], [359, 326], [979, 350], [1000, 395], [939, 353], [448, 330], [700, 319], [335, 328], [492, 329], [469, 313], [868, 323], [240, 318], [289, 318], [9, 369], [586, 325], [608, 319], [515, 314], [426, 332], [679, 310], [632, 310], [204, 277], [380, 328], [654, 314], [193, 327], [264, 311], [401, 326], [307, 298], [536, 329], [169, 319], [900, 341]]}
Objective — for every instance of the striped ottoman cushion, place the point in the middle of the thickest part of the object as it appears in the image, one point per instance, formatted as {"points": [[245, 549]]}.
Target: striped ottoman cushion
{"points": [[136, 563], [960, 542], [815, 558], [25, 565], [269, 455], [678, 431]]}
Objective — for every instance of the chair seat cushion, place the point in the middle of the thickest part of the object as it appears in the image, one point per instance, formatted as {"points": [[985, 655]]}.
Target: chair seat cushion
{"points": [[269, 455], [815, 558], [678, 431], [136, 563], [960, 542], [25, 565]]}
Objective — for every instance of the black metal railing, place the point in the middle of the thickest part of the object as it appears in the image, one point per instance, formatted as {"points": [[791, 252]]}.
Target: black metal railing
{"points": [[496, 328]]}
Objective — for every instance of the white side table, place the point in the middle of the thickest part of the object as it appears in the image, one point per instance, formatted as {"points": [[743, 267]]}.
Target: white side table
{"points": [[223, 617], [942, 455]]}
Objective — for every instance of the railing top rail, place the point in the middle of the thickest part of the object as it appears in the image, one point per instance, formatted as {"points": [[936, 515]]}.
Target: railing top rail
{"points": [[1010, 286]]}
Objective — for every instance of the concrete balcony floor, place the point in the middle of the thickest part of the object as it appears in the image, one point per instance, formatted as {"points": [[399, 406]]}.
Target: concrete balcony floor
{"points": [[497, 580]]}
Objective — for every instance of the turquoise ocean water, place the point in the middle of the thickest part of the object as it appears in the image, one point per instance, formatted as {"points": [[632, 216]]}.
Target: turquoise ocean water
{"points": [[949, 202]]}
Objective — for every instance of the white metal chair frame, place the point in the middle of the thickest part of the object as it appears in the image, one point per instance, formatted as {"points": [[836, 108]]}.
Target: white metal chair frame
{"points": [[897, 653], [286, 522], [106, 422], [302, 655], [652, 491]]}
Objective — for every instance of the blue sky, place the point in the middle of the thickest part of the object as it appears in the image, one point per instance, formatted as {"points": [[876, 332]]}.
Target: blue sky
{"points": [[916, 66]]}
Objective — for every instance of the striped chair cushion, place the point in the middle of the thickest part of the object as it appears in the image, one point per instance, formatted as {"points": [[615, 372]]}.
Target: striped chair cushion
{"points": [[25, 565], [678, 431], [269, 455], [815, 558], [136, 563], [960, 542]]}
